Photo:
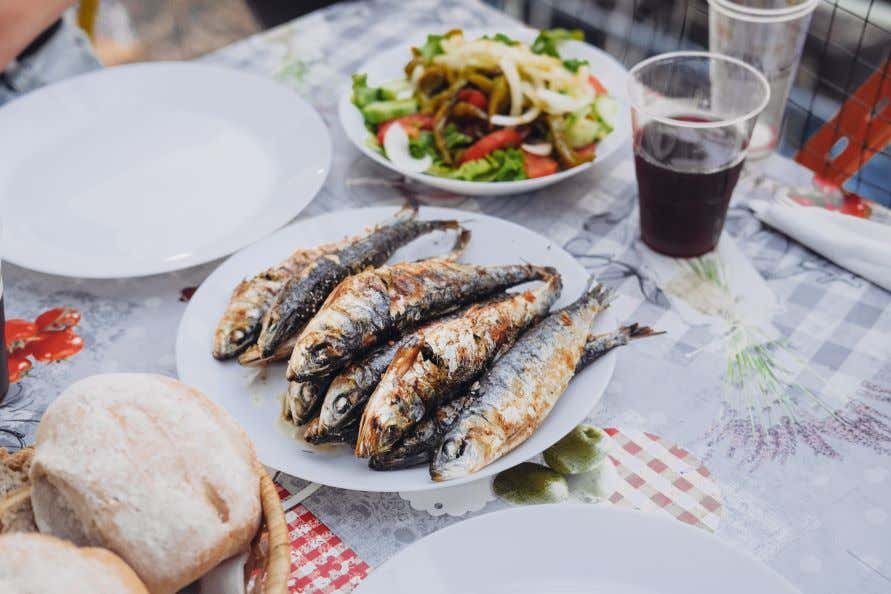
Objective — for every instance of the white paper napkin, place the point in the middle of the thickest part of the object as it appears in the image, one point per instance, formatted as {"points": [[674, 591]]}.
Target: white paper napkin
{"points": [[858, 245]]}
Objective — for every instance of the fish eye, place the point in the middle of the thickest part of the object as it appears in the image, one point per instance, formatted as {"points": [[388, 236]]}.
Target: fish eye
{"points": [[390, 434], [454, 447], [341, 403]]}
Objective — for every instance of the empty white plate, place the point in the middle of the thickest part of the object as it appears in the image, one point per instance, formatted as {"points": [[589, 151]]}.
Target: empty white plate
{"points": [[572, 549], [255, 400], [148, 168]]}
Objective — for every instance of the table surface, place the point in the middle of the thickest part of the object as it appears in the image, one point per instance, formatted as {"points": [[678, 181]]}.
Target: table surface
{"points": [[805, 478]]}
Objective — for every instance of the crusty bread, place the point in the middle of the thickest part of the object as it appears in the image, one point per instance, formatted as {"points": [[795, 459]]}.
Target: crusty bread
{"points": [[149, 468], [15, 504], [39, 564]]}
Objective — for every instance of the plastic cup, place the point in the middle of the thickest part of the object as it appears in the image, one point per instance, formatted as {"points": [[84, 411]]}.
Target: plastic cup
{"points": [[769, 35], [692, 115]]}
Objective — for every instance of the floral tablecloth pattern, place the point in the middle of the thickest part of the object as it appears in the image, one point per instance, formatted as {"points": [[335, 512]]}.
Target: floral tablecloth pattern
{"points": [[804, 469]]}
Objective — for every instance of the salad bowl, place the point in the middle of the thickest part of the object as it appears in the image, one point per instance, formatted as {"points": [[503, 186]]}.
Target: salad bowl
{"points": [[385, 76]]}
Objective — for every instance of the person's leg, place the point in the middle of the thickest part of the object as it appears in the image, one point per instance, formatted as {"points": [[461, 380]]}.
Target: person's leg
{"points": [[63, 54]]}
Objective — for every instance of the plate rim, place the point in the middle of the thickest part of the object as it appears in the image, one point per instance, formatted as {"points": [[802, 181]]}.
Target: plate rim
{"points": [[608, 361], [290, 208], [345, 109], [573, 508]]}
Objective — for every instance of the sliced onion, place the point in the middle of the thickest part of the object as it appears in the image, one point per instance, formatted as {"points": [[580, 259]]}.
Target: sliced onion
{"points": [[416, 74], [558, 103], [396, 149], [542, 149], [524, 118], [512, 75]]}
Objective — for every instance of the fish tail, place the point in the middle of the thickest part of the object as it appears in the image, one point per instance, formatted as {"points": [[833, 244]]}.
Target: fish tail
{"points": [[599, 294], [635, 331], [396, 460], [408, 211], [461, 242]]}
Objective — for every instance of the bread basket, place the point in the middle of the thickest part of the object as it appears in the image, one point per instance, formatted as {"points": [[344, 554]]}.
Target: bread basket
{"points": [[269, 560]]}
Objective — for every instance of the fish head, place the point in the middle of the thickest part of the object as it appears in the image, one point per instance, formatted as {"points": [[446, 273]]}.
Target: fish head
{"points": [[387, 425], [302, 398], [458, 455], [342, 403], [314, 358]]}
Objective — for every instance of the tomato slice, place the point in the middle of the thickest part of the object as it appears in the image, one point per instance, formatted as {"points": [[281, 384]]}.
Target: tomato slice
{"points": [[473, 97], [504, 138], [537, 166], [587, 152], [413, 124], [598, 86]]}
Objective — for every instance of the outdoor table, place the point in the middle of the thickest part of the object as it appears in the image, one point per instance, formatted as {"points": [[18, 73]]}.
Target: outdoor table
{"points": [[803, 483]]}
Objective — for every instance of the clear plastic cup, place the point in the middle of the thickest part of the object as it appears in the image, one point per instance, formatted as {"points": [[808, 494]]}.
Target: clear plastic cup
{"points": [[769, 35], [692, 115]]}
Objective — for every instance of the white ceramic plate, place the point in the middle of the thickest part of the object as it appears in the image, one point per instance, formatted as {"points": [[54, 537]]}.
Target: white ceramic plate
{"points": [[388, 65], [148, 168], [256, 404], [572, 549]]}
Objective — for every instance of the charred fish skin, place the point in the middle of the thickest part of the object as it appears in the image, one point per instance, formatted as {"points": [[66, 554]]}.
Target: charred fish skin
{"points": [[600, 344], [315, 436], [303, 399], [418, 445], [350, 389], [370, 307], [519, 390], [442, 359], [241, 322], [301, 296]]}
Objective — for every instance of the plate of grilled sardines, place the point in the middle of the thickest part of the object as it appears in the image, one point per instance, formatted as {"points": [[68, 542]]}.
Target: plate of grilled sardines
{"points": [[385, 349]]}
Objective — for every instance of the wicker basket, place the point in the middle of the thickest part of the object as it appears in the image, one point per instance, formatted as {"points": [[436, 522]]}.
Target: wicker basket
{"points": [[269, 561]]}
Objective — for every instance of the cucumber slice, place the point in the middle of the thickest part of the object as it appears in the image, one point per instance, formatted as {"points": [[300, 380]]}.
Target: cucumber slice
{"points": [[396, 89], [381, 111], [582, 131], [607, 110]]}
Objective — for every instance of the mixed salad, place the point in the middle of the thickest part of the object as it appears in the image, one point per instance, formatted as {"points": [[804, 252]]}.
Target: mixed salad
{"points": [[489, 109]]}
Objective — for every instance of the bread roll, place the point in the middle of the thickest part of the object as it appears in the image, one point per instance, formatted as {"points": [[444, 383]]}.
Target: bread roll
{"points": [[149, 468], [38, 564]]}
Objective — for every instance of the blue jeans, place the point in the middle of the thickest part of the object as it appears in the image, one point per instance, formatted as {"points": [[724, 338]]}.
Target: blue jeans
{"points": [[66, 53]]}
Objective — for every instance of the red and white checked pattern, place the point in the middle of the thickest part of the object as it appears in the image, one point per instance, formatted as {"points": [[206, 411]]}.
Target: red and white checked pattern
{"points": [[660, 475], [320, 562], [657, 476]]}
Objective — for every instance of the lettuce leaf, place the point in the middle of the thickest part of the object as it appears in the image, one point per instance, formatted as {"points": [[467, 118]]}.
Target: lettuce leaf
{"points": [[502, 38], [573, 65], [500, 165], [362, 93], [454, 138], [547, 41], [432, 47]]}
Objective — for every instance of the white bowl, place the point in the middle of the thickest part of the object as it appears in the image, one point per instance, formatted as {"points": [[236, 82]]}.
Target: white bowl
{"points": [[388, 65]]}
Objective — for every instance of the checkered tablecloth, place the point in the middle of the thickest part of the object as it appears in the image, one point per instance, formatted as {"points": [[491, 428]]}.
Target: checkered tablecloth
{"points": [[804, 486]]}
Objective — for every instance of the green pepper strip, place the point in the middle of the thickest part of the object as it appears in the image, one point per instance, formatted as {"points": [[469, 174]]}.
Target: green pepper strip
{"points": [[498, 99], [441, 118], [565, 153], [482, 82]]}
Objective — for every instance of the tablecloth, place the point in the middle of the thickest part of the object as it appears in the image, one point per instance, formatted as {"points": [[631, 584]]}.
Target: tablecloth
{"points": [[805, 477]]}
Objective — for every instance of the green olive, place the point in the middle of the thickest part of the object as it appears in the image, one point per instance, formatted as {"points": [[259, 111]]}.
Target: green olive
{"points": [[530, 483], [579, 451]]}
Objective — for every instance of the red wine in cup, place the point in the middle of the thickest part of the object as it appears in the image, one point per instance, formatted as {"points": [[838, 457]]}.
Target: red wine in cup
{"points": [[685, 177]]}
